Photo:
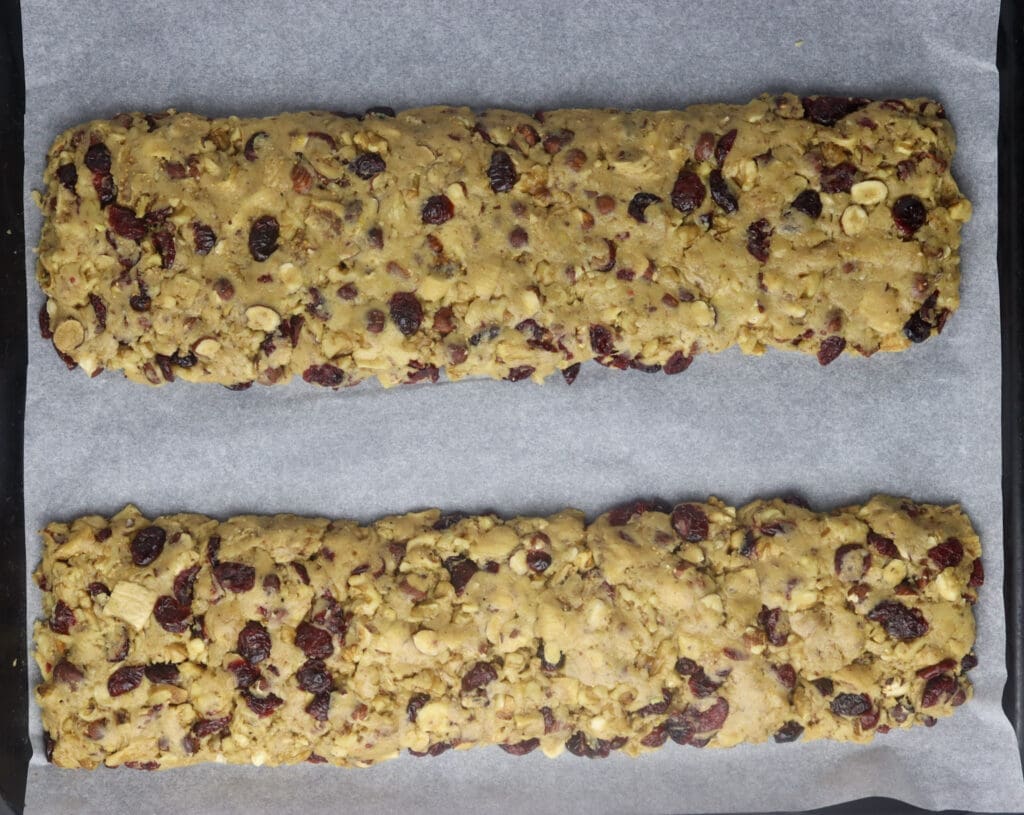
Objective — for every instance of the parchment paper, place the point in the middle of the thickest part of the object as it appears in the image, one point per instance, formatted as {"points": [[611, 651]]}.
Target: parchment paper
{"points": [[923, 423]]}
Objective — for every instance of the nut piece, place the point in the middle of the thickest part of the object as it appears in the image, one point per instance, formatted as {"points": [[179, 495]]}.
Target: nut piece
{"points": [[853, 220], [132, 603], [68, 336], [261, 318], [427, 642], [207, 347], [961, 211], [869, 192]]}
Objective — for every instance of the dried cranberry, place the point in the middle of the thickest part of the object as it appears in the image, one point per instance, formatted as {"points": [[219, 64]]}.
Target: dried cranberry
{"points": [[851, 704], [164, 243], [774, 625], [827, 110], [786, 674], [171, 615], [809, 203], [142, 765], [790, 731], [824, 685], [601, 340], [502, 172], [838, 178], [67, 175], [714, 717], [202, 728], [579, 745], [480, 675], [147, 544], [705, 146], [461, 570], [930, 671], [909, 214], [314, 642], [851, 562], [521, 748], [437, 210], [124, 223], [348, 291], [947, 554], [520, 372], [263, 235], [899, 621], [977, 578], [830, 349], [721, 194], [96, 588], [518, 237], [319, 707], [570, 373], [301, 571], [367, 165], [204, 238], [759, 239], [124, 679], [538, 560], [686, 667], [106, 192], [253, 642], [622, 515], [292, 327], [416, 702], [326, 375], [63, 618], [249, 151], [702, 685], [677, 363], [97, 158], [68, 673], [246, 675], [724, 146], [938, 689], [690, 522], [262, 706], [642, 200], [688, 192], [968, 663], [162, 673], [236, 577], [448, 520], [406, 311], [213, 549], [884, 546], [139, 302]]}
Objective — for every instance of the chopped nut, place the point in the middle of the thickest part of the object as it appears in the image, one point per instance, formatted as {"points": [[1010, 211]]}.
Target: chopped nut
{"points": [[261, 318], [869, 192], [68, 336], [853, 220], [132, 603]]}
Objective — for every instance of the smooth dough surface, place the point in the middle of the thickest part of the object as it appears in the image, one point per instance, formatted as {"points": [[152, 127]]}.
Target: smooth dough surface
{"points": [[496, 244], [272, 640]]}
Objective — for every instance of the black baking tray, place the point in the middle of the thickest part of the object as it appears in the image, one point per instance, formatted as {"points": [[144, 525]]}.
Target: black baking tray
{"points": [[14, 703]]}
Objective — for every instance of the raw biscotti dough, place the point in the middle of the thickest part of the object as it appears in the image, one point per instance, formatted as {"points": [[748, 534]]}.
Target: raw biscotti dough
{"points": [[496, 244], [281, 639]]}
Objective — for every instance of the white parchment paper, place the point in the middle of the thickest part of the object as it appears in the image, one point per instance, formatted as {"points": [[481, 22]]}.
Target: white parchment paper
{"points": [[923, 423]]}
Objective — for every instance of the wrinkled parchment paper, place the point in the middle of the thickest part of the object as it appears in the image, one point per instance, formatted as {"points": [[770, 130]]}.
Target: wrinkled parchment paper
{"points": [[923, 423]]}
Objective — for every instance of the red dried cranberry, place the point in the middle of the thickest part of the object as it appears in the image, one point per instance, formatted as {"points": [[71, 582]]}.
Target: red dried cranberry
{"points": [[786, 674], [570, 373], [142, 765], [884, 546], [688, 192], [827, 110], [461, 570], [246, 675], [292, 327], [774, 625], [320, 706], [236, 577], [824, 685], [437, 210], [938, 689], [480, 675], [724, 146], [702, 685], [162, 673], [846, 566], [253, 642], [809, 203], [899, 621], [124, 679], [326, 375], [171, 615], [641, 201], [301, 571], [367, 165], [790, 731], [68, 673], [448, 520], [538, 560], [938, 668], [919, 327], [704, 148], [124, 223], [262, 706], [759, 239], [690, 522], [204, 238], [680, 727], [521, 748], [977, 579], [44, 323], [850, 704], [714, 717], [677, 363], [968, 663], [314, 642], [721, 194], [67, 175], [687, 667], [249, 150], [830, 349], [520, 372], [416, 702], [406, 311], [263, 235], [909, 214], [502, 172], [63, 618], [97, 588], [164, 243], [947, 554], [601, 340], [838, 178], [97, 158], [100, 310], [202, 728], [147, 544]]}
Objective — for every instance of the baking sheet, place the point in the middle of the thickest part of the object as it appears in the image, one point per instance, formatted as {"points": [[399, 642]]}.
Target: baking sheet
{"points": [[923, 423]]}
